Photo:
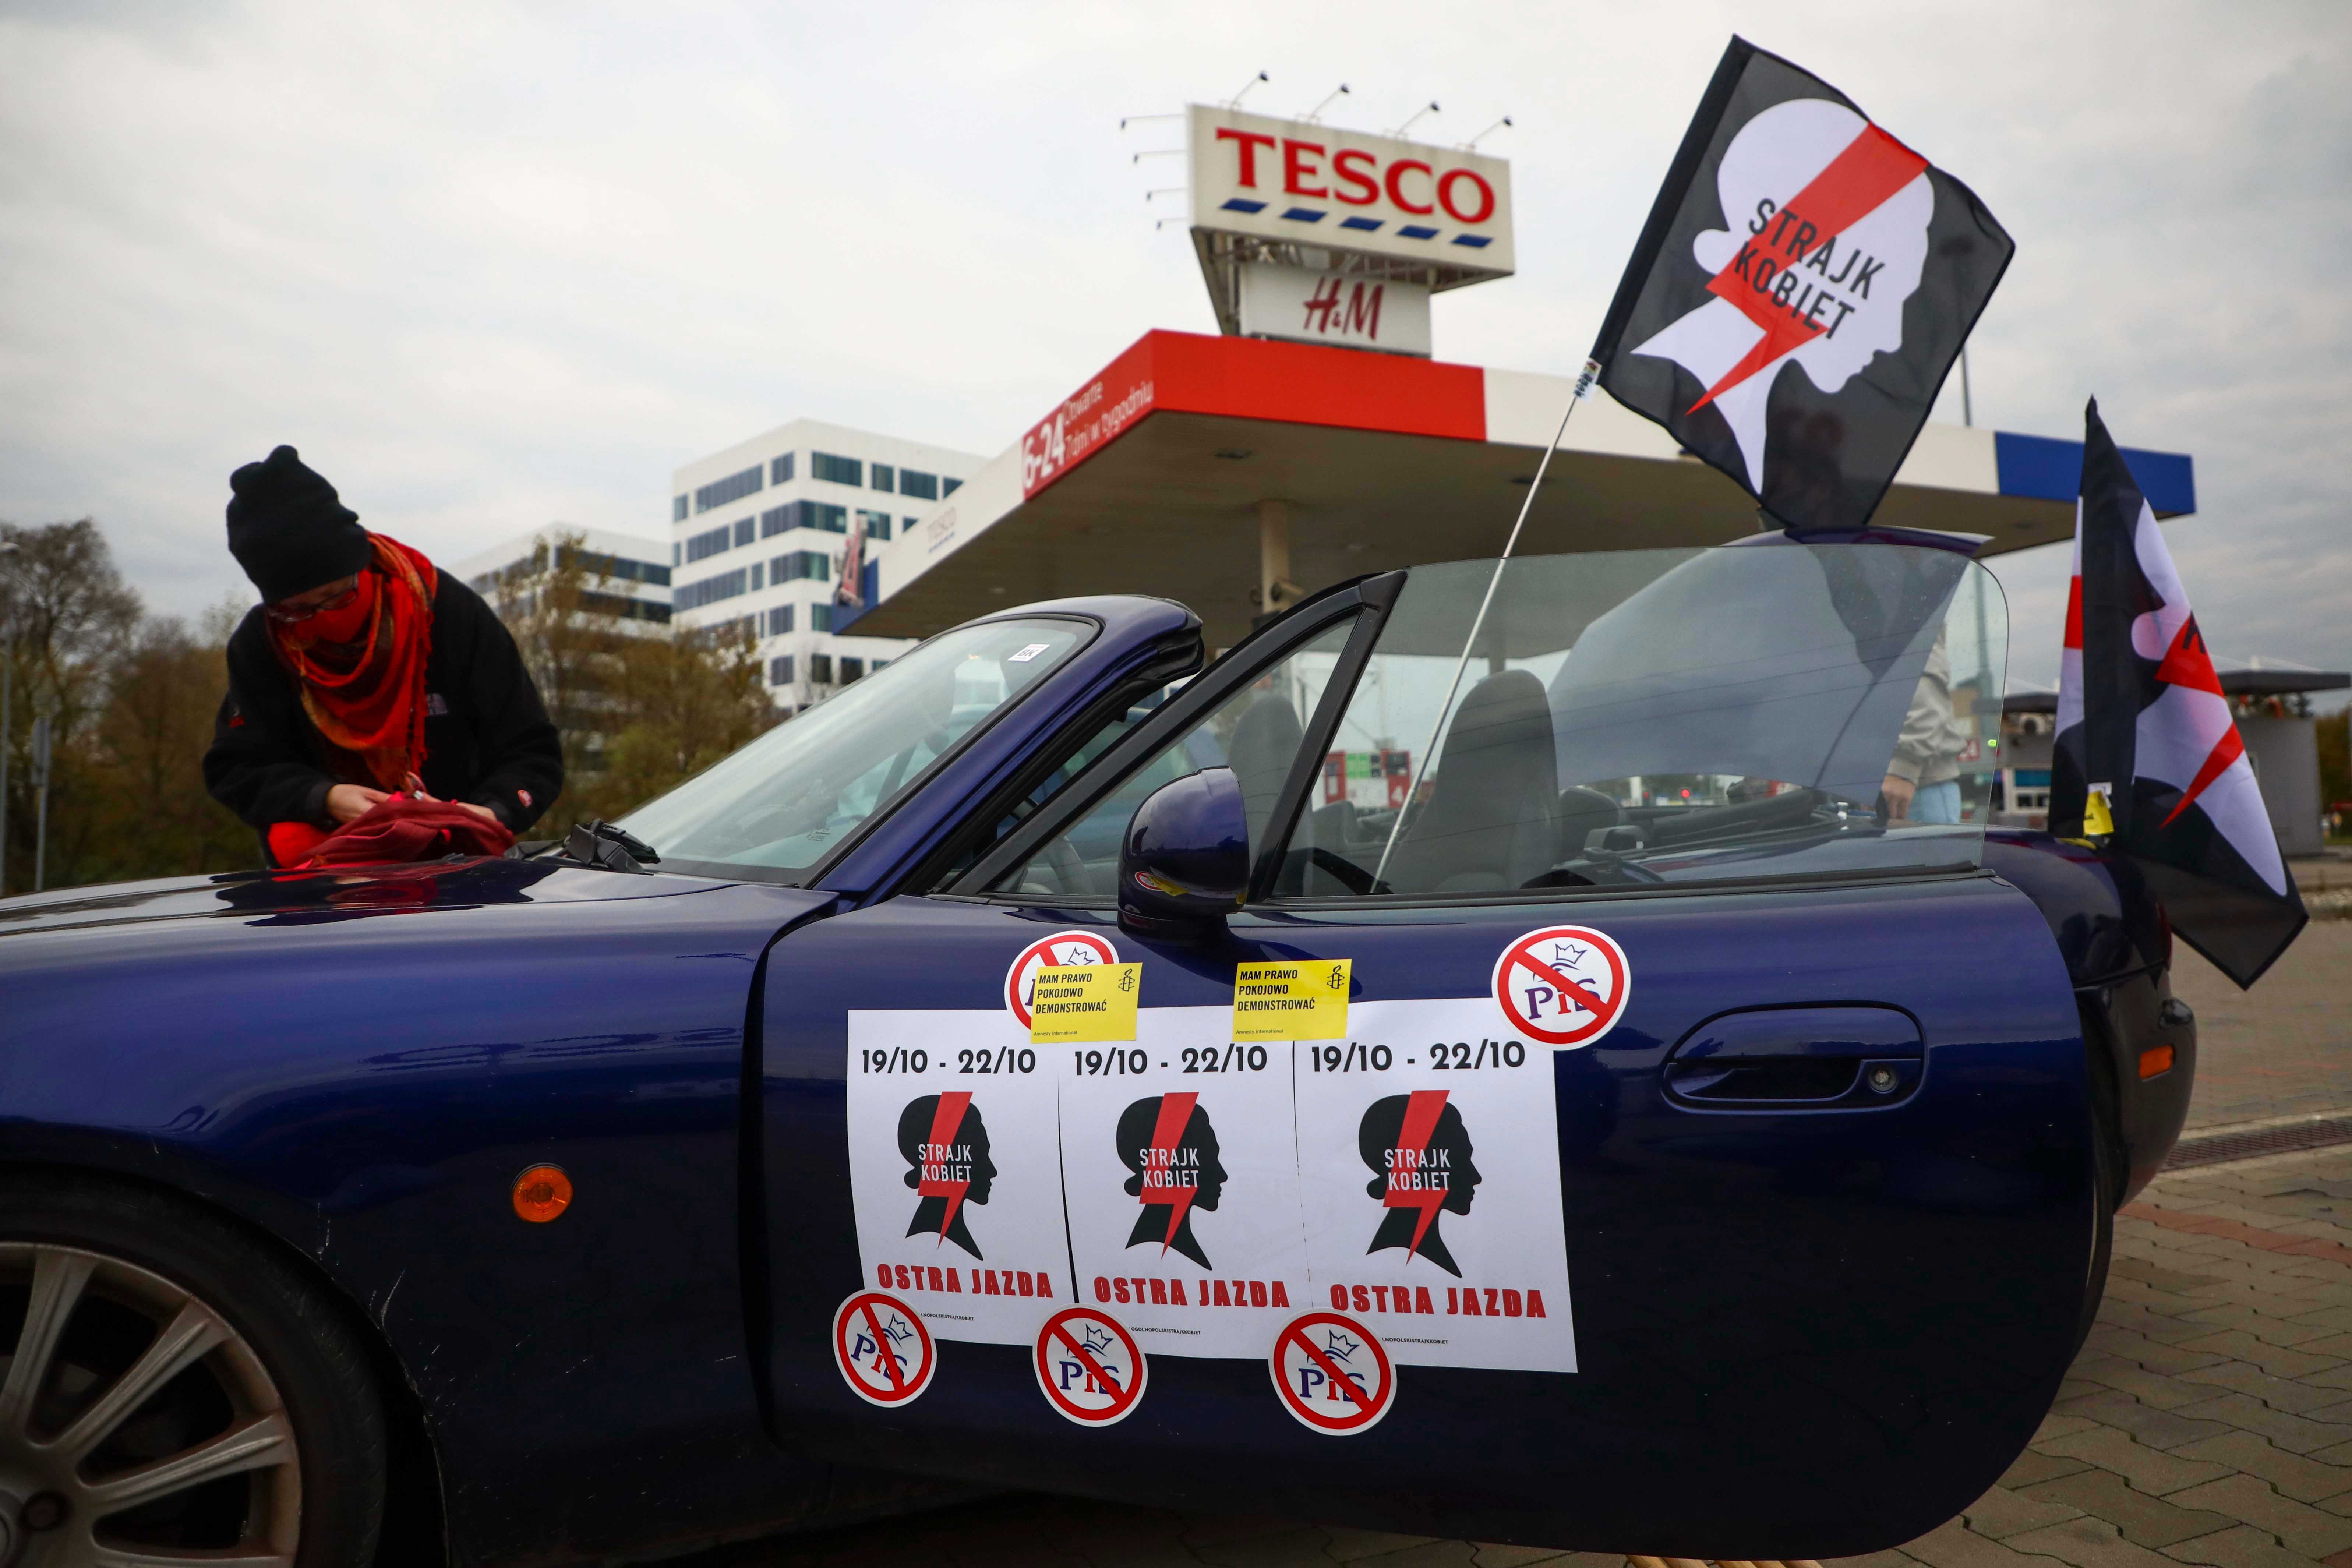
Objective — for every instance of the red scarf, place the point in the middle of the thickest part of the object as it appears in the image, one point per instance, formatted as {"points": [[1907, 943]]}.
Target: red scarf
{"points": [[361, 668]]}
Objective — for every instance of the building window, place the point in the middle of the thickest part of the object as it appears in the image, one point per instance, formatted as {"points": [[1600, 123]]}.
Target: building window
{"points": [[877, 524], [912, 483], [621, 608], [677, 509], [746, 529], [798, 566], [711, 590], [821, 669], [820, 618], [779, 470], [839, 470], [596, 565], [906, 525], [950, 487], [677, 554], [703, 546], [780, 670], [881, 476], [756, 569], [734, 487], [852, 669], [813, 514], [878, 664], [779, 620]]}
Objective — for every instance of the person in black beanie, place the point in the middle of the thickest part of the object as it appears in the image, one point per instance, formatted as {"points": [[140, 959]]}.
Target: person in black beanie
{"points": [[365, 673]]}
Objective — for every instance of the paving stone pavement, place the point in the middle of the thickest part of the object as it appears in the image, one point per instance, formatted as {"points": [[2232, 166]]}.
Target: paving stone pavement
{"points": [[2283, 1048], [2208, 1421]]}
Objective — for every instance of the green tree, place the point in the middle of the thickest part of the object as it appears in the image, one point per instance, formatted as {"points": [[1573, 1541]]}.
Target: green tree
{"points": [[638, 708]]}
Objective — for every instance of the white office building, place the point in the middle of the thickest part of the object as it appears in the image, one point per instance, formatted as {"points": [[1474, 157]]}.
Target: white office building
{"points": [[758, 533], [635, 576]]}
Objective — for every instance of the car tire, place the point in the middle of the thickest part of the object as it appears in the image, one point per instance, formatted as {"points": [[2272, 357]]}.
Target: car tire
{"points": [[185, 1367]]}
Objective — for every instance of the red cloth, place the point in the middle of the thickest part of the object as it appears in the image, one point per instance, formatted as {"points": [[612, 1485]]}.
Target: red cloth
{"points": [[405, 828], [361, 668], [290, 843]]}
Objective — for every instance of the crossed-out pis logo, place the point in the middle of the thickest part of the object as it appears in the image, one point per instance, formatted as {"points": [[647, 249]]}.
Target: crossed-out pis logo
{"points": [[1419, 1152], [945, 1144], [1167, 1143], [1828, 221]]}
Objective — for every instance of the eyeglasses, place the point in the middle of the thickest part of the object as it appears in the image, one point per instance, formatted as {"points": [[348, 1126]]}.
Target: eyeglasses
{"points": [[291, 610]]}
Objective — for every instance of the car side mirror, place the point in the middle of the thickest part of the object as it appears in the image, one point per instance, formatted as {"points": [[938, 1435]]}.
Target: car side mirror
{"points": [[1183, 864]]}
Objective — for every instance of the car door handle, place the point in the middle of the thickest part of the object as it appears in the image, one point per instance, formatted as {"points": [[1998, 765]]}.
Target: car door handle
{"points": [[1857, 1057]]}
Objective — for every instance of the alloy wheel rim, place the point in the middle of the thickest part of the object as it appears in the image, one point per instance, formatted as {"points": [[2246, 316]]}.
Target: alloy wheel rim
{"points": [[128, 1446]]}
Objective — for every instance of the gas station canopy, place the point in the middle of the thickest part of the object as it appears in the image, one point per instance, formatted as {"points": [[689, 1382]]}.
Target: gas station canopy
{"points": [[1238, 474]]}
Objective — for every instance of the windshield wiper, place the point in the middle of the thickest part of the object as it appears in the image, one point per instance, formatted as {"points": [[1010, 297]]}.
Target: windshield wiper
{"points": [[600, 843]]}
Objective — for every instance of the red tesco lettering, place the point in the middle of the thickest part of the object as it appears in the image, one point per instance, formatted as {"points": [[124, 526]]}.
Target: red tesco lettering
{"points": [[1295, 169], [1250, 142], [1486, 196]]}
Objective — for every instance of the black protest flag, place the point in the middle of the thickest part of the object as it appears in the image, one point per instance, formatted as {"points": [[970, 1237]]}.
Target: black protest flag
{"points": [[2146, 750], [1793, 231]]}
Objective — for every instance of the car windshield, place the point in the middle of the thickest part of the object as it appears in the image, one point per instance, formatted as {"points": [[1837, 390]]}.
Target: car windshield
{"points": [[779, 806], [1669, 716]]}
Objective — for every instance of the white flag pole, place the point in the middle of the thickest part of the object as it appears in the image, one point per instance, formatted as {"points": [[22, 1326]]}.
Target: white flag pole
{"points": [[1421, 762]]}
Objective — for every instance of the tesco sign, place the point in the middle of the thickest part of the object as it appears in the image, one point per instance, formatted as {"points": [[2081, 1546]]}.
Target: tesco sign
{"points": [[1315, 186]]}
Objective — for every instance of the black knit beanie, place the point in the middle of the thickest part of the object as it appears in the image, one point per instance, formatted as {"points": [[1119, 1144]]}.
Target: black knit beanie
{"points": [[288, 529]]}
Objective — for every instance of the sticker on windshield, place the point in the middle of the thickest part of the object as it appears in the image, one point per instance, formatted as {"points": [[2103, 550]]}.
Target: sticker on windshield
{"points": [[1062, 948], [1027, 654], [1564, 985]]}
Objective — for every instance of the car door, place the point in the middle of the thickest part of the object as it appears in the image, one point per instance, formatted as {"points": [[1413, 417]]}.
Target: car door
{"points": [[1705, 1183]]}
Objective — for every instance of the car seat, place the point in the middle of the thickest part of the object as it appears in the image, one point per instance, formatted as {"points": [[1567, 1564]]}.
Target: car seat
{"points": [[1490, 820]]}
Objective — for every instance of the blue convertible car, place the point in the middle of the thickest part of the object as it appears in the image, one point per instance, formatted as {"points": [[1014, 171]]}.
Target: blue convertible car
{"points": [[1553, 1056]]}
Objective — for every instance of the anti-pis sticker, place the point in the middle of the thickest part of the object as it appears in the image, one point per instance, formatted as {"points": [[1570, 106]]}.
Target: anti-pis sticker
{"points": [[1563, 985]]}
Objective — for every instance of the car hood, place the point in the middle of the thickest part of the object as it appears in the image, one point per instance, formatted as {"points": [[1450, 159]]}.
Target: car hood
{"points": [[334, 894]]}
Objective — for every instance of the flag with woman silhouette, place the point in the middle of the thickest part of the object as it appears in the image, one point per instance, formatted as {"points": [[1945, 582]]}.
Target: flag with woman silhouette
{"points": [[1800, 291], [2149, 757]]}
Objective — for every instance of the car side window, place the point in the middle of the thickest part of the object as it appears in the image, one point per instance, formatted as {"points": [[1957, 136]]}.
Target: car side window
{"points": [[1655, 718], [1256, 731]]}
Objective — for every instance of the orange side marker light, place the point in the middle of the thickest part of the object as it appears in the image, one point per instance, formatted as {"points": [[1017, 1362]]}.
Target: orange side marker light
{"points": [[2152, 1062], [543, 1192]]}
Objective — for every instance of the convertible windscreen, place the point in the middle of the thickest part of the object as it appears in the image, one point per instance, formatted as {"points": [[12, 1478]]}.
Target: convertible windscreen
{"points": [[784, 803], [1625, 719]]}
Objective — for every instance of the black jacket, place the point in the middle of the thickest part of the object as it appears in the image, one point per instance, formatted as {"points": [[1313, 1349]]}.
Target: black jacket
{"points": [[488, 740]]}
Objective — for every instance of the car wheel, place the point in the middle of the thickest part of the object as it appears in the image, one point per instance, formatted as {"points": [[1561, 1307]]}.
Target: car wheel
{"points": [[173, 1391]]}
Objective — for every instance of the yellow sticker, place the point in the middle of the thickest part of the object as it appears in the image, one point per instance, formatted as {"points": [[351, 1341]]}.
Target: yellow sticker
{"points": [[2097, 818], [1083, 1002], [1302, 1001]]}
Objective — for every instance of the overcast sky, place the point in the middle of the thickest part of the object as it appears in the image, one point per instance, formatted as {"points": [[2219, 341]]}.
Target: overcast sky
{"points": [[492, 264]]}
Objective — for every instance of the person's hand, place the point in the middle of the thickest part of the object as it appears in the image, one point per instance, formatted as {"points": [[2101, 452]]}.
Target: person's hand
{"points": [[347, 802], [484, 811], [1898, 793]]}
